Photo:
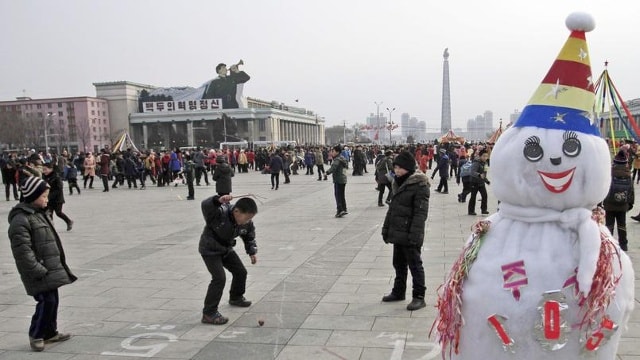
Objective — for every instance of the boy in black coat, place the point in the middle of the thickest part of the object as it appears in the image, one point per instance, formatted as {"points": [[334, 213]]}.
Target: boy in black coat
{"points": [[225, 222], [40, 260], [404, 227]]}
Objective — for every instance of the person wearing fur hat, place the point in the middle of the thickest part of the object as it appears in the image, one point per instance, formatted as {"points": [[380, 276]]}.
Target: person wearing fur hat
{"points": [[404, 227], [40, 260]]}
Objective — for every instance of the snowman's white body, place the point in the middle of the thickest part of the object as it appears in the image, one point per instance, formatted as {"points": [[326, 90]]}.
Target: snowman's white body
{"points": [[539, 227]]}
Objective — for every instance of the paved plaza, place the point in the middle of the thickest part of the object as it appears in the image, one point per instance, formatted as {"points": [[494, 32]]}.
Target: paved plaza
{"points": [[317, 284]]}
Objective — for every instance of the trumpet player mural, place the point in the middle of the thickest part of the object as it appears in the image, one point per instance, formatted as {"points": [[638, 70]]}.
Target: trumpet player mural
{"points": [[228, 86]]}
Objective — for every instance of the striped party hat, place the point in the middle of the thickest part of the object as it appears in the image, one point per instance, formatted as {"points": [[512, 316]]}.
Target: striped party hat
{"points": [[565, 99]]}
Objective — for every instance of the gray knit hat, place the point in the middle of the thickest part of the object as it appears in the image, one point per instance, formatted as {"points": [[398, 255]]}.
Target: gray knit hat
{"points": [[32, 188]]}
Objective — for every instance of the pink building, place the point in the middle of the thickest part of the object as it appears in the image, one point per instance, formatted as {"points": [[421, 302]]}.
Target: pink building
{"points": [[72, 123]]}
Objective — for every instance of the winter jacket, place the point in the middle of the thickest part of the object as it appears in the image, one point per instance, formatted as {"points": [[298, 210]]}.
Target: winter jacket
{"points": [[37, 250], [89, 165], [105, 159], [222, 176], [220, 230], [405, 221], [621, 196], [442, 168], [383, 167], [309, 159], [317, 156], [276, 164], [338, 170], [477, 169], [130, 166], [175, 164], [56, 189]]}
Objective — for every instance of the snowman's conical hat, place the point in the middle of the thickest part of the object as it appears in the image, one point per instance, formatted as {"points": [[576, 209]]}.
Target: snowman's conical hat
{"points": [[565, 99]]}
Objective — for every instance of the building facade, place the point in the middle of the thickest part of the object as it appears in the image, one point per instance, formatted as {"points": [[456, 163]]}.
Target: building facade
{"points": [[72, 123], [177, 126]]}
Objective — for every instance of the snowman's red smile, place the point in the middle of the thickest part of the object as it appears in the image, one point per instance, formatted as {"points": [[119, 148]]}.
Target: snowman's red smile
{"points": [[557, 182]]}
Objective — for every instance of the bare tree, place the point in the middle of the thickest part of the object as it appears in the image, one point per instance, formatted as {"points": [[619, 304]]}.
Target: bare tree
{"points": [[13, 130], [84, 134], [61, 135]]}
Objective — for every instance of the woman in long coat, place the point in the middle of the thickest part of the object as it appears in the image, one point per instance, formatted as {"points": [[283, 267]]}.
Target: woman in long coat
{"points": [[89, 169]]}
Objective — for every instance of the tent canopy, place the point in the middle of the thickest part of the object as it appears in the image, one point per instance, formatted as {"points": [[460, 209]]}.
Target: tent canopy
{"points": [[124, 142], [496, 134], [450, 136]]}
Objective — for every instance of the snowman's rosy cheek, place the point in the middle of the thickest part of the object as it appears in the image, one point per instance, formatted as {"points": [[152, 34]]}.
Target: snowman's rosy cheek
{"points": [[532, 150]]}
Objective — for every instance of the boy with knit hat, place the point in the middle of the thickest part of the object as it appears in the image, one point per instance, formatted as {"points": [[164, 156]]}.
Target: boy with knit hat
{"points": [[404, 227], [40, 260]]}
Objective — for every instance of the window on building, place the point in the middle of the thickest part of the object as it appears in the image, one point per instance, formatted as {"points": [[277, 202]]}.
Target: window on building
{"points": [[94, 129], [59, 105], [60, 113], [92, 104], [93, 112], [104, 113], [39, 106], [95, 137], [49, 106], [261, 125]]}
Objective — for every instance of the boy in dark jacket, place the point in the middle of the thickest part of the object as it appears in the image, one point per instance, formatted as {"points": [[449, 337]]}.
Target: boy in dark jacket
{"points": [[404, 227], [225, 222], [338, 171], [40, 260]]}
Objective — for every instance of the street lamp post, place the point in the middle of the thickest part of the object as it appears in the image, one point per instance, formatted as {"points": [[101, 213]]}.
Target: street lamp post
{"points": [[47, 119], [390, 123], [378, 116]]}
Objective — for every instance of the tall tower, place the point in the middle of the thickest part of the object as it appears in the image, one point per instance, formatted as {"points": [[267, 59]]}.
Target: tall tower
{"points": [[445, 122]]}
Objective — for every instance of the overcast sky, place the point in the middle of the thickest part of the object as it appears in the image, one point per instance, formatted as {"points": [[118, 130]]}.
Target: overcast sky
{"points": [[337, 57]]}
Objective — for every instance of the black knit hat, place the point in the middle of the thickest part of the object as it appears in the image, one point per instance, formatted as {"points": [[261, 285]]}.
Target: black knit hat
{"points": [[405, 160], [32, 188]]}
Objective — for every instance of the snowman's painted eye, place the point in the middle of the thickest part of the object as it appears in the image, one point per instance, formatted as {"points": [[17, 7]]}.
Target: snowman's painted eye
{"points": [[571, 146], [532, 149]]}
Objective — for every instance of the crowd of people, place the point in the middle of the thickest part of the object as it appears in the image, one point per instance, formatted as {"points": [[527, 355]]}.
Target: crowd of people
{"points": [[401, 172]]}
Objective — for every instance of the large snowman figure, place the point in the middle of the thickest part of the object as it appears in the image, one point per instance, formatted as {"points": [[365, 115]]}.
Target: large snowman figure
{"points": [[542, 278]]}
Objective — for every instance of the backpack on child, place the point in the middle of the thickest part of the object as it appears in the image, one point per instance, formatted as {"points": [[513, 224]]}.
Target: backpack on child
{"points": [[465, 169], [620, 191]]}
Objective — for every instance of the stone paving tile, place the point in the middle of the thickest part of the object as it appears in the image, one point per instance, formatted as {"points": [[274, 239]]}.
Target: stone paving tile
{"points": [[293, 352], [338, 322], [317, 284], [310, 337]]}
